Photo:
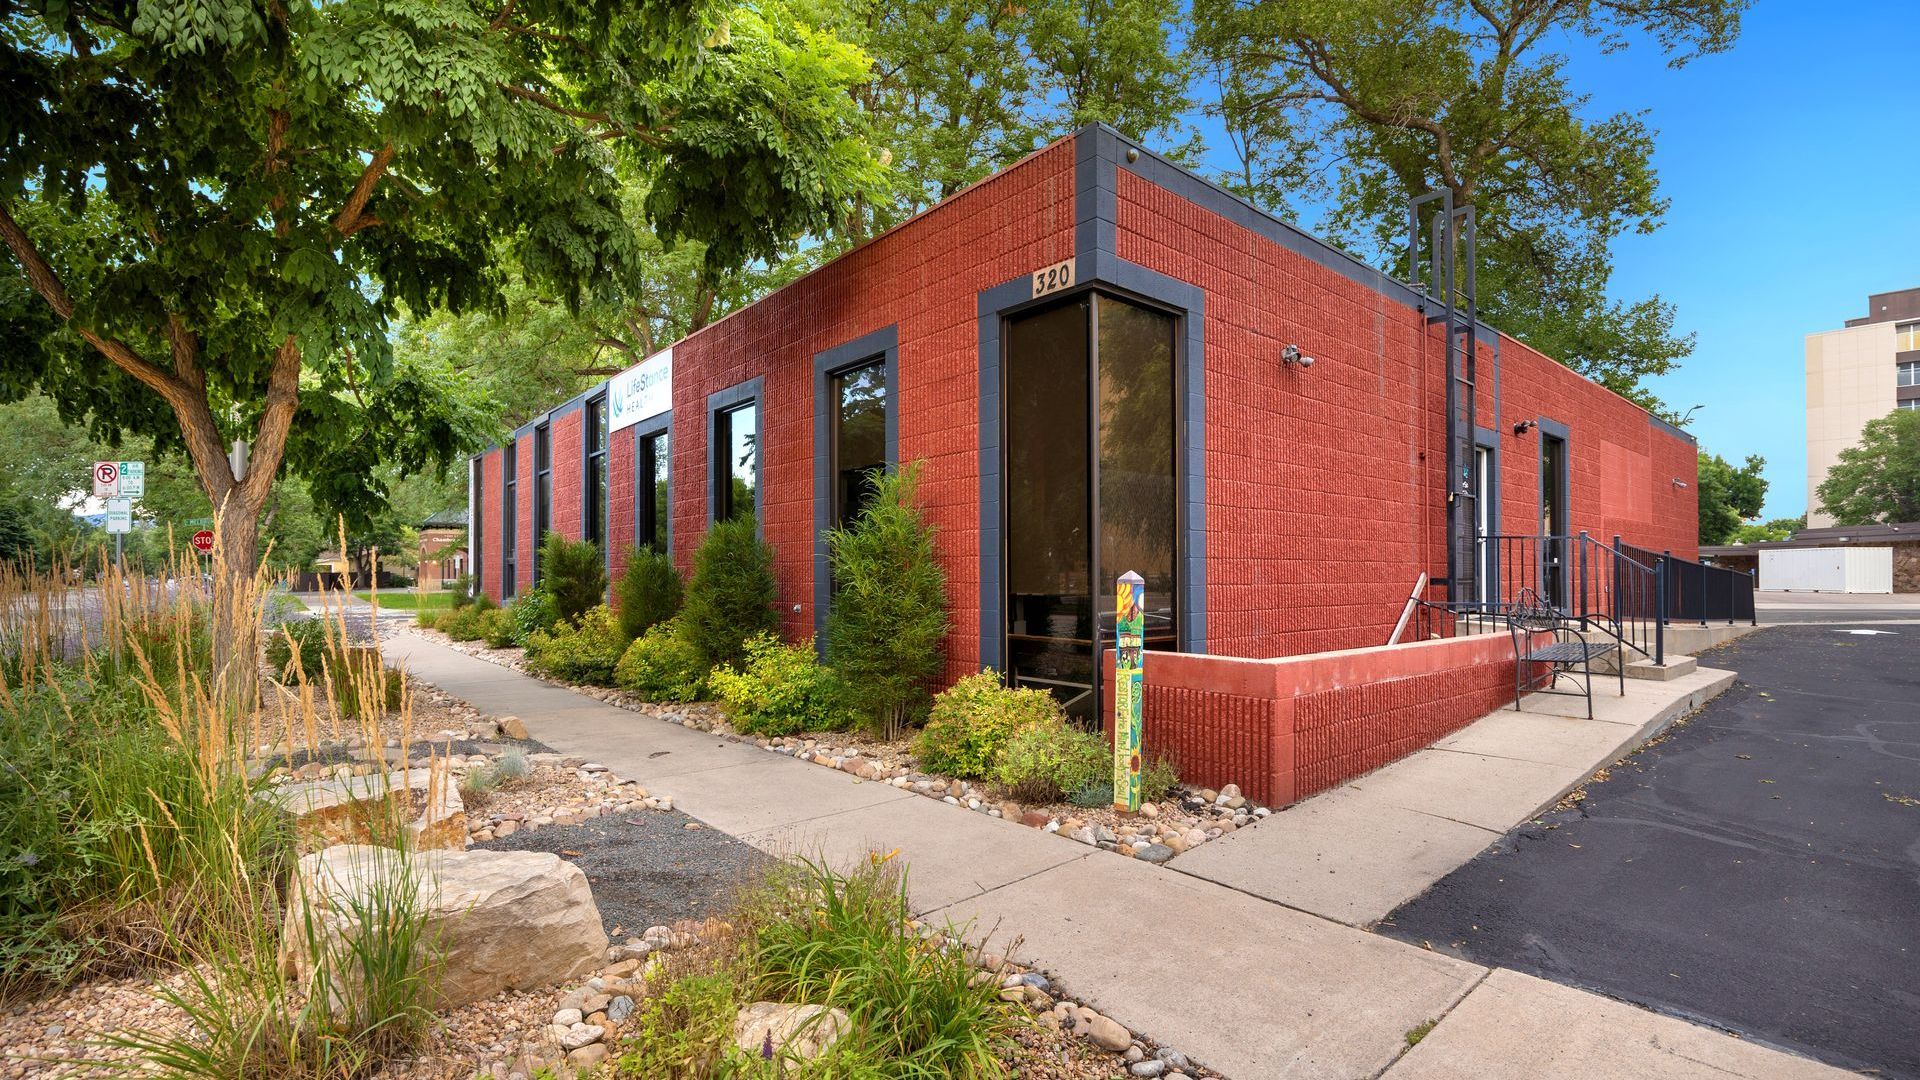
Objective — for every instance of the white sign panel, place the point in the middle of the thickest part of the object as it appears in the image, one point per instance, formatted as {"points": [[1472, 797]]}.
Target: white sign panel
{"points": [[106, 479], [641, 392], [119, 515], [133, 479]]}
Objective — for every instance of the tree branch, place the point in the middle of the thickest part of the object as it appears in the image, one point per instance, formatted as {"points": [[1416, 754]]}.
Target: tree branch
{"points": [[351, 218], [270, 438]]}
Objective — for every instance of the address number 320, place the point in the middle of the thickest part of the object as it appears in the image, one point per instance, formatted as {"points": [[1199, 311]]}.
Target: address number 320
{"points": [[1053, 278]]}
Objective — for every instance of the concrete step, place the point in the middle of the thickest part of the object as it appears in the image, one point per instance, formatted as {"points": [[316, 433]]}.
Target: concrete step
{"points": [[1676, 667]]}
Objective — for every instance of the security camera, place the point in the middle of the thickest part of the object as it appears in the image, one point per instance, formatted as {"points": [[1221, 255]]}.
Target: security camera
{"points": [[1293, 357]]}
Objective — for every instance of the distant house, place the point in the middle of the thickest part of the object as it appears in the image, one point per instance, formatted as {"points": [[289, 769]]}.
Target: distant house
{"points": [[443, 548]]}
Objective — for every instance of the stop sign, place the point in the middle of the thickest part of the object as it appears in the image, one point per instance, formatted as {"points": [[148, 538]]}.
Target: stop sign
{"points": [[202, 541]]}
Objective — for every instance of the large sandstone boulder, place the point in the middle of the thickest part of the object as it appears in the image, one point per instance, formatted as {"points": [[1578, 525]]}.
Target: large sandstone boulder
{"points": [[363, 809], [773, 1029], [495, 920]]}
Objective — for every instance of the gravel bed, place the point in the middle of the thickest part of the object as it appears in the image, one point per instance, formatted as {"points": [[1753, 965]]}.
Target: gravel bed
{"points": [[648, 869]]}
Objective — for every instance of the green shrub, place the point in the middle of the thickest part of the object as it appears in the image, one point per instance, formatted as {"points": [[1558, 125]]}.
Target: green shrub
{"points": [[574, 573], [662, 665], [1048, 761], [1159, 776], [972, 720], [464, 624], [532, 612], [427, 620], [308, 637], [781, 689], [888, 623], [730, 598], [682, 1027], [357, 677], [496, 628], [846, 941], [648, 591], [462, 589], [582, 653]]}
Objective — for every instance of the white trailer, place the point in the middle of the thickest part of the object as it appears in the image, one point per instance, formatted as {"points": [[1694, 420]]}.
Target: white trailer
{"points": [[1827, 569]]}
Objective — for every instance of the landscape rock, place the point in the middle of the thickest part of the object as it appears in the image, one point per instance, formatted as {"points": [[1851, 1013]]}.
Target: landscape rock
{"points": [[1155, 853], [799, 1031], [499, 920], [513, 728], [360, 809]]}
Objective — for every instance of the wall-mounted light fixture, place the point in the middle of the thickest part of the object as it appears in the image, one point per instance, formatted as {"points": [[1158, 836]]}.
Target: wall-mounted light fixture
{"points": [[1525, 426], [1293, 357], [1679, 483]]}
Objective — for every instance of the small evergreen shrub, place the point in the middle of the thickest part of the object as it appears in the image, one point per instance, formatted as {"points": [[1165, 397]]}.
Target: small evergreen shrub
{"points": [[427, 620], [463, 591], [574, 574], [463, 624], [662, 665], [1159, 776], [496, 628], [531, 612], [648, 592], [306, 636], [579, 653], [887, 624], [730, 598], [972, 721], [781, 689], [1048, 761]]}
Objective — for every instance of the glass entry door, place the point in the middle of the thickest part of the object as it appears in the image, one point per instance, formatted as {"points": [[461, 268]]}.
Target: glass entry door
{"points": [[1091, 487]]}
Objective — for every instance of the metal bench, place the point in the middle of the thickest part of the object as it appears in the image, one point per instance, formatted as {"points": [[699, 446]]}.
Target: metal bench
{"points": [[1544, 636]]}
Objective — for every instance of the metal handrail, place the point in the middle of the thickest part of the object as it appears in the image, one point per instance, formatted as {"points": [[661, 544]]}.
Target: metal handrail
{"points": [[1604, 588], [1700, 593]]}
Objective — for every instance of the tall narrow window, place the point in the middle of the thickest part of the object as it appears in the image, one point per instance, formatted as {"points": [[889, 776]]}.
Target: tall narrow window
{"points": [[595, 489], [1553, 517], [542, 491], [736, 438], [509, 518], [650, 493], [1906, 336], [859, 437]]}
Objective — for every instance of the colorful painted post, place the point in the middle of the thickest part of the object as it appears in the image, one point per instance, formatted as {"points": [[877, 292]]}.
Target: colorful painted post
{"points": [[1129, 654]]}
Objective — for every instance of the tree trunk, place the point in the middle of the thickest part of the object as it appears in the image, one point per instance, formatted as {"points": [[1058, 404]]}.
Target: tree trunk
{"points": [[236, 606]]}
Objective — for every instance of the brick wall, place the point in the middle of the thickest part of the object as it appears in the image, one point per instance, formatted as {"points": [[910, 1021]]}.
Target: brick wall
{"points": [[619, 501], [1287, 728], [567, 475], [1323, 484], [488, 527], [523, 516]]}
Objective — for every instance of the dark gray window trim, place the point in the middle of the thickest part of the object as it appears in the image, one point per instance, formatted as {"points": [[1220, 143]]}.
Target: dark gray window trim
{"points": [[884, 345], [542, 515], [510, 520], [718, 402], [476, 516], [659, 423], [1551, 428], [1125, 280], [586, 467], [1488, 439]]}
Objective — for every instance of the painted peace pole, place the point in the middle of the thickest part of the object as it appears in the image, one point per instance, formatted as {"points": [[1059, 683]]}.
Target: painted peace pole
{"points": [[1129, 639]]}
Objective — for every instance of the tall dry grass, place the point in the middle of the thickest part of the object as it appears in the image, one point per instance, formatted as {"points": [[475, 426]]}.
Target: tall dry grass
{"points": [[137, 833]]}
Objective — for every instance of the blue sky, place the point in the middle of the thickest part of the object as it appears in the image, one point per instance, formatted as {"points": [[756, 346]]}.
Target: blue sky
{"points": [[1792, 163]]}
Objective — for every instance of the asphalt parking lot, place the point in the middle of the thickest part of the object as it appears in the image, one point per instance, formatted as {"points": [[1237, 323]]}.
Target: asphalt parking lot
{"points": [[1758, 869]]}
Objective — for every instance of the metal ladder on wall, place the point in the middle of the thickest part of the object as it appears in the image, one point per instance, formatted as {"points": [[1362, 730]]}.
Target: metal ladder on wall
{"points": [[1449, 297]]}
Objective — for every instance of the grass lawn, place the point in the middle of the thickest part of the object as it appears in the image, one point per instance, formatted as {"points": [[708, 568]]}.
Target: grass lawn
{"points": [[413, 600]]}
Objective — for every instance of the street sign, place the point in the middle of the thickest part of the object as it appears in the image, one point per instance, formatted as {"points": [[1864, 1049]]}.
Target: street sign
{"points": [[119, 479], [203, 541], [119, 515], [106, 479], [133, 479], [1129, 641]]}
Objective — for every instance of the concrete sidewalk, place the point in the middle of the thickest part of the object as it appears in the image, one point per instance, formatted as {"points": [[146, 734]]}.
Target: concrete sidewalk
{"points": [[1357, 852], [1242, 984]]}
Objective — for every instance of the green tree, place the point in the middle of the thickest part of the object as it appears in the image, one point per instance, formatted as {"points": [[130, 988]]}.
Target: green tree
{"points": [[229, 202], [1367, 103], [1729, 496], [887, 626], [1756, 532], [731, 595], [1877, 480], [574, 574], [649, 591]]}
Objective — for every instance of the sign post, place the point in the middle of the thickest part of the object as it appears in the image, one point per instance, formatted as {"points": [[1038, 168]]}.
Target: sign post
{"points": [[119, 524], [1129, 654]]}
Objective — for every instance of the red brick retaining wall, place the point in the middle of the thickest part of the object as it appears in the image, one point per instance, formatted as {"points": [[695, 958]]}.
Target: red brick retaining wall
{"points": [[1290, 727]]}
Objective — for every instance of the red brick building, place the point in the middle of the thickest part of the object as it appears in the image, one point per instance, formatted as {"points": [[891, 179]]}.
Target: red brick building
{"points": [[1089, 351]]}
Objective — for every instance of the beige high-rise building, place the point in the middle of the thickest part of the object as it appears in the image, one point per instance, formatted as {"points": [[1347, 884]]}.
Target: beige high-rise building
{"points": [[1862, 371]]}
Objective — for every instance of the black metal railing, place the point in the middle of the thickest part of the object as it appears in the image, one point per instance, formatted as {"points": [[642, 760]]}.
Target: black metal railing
{"points": [[1700, 593], [1605, 588]]}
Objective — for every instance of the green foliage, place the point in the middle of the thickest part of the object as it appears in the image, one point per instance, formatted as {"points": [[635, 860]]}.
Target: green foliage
{"points": [[1361, 106], [972, 721], [573, 574], [465, 624], [427, 620], [315, 650], [583, 652], [1729, 496], [781, 689], [648, 591], [887, 625], [846, 941], [531, 612], [1775, 529], [681, 1027], [731, 596], [662, 665], [1159, 776], [1047, 761], [497, 628], [310, 638], [1877, 480]]}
